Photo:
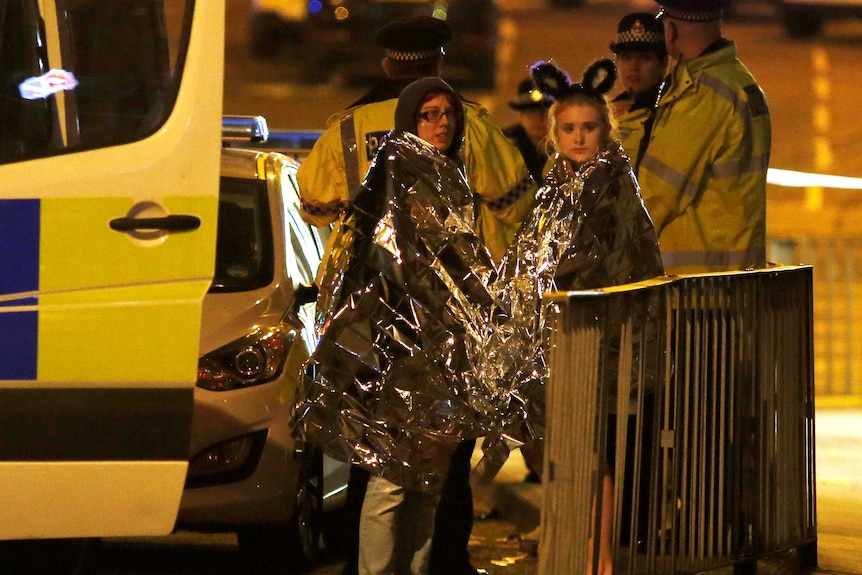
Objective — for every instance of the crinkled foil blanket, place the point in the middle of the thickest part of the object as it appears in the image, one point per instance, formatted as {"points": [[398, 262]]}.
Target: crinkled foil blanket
{"points": [[422, 342]]}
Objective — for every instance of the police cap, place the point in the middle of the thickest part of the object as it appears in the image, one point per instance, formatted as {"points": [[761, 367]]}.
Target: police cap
{"points": [[529, 97], [414, 38], [692, 10], [640, 31]]}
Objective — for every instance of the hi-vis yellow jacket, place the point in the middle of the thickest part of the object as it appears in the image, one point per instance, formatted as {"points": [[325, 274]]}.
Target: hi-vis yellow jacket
{"points": [[630, 130], [630, 124], [334, 169], [703, 177]]}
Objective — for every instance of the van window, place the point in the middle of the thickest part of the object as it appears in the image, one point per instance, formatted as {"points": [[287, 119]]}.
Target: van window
{"points": [[78, 74], [244, 243]]}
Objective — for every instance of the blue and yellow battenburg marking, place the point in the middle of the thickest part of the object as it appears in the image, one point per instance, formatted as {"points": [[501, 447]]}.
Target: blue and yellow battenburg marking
{"points": [[19, 274], [97, 329], [83, 304]]}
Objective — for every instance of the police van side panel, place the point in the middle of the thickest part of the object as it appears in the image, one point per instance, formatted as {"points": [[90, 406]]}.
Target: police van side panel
{"points": [[109, 157]]}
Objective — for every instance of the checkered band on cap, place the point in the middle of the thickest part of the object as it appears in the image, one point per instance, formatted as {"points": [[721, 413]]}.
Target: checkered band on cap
{"points": [[689, 15], [408, 56], [639, 33]]}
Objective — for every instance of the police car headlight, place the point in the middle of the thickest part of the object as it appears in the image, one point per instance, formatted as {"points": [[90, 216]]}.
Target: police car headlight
{"points": [[255, 359]]}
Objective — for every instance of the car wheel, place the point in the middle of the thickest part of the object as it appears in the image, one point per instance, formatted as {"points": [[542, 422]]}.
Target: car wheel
{"points": [[308, 513], [281, 547], [802, 24]]}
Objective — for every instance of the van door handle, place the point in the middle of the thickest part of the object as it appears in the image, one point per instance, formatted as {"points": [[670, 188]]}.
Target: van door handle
{"points": [[178, 223]]}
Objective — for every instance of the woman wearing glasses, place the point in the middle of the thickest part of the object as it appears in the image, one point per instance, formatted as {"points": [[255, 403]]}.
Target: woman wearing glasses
{"points": [[388, 381], [430, 109]]}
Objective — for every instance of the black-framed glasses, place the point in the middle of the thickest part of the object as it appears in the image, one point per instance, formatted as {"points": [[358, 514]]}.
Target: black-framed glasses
{"points": [[434, 115]]}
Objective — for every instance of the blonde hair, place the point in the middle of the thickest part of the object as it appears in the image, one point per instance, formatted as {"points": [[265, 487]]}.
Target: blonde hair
{"points": [[551, 142]]}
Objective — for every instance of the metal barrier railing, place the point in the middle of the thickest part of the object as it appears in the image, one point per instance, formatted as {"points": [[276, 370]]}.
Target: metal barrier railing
{"points": [[696, 394]]}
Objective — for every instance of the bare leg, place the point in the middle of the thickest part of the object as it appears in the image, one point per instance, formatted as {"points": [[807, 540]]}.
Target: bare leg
{"points": [[606, 559]]}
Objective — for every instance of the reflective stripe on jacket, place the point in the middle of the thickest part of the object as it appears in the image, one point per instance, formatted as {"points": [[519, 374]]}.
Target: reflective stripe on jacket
{"points": [[703, 177], [341, 158]]}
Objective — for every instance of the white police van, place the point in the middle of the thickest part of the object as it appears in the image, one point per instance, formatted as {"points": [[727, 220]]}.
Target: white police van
{"points": [[110, 140]]}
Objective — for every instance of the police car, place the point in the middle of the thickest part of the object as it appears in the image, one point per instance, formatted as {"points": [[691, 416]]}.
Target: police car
{"points": [[247, 474]]}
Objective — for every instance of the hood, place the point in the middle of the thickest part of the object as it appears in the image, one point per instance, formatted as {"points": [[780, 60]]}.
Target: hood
{"points": [[409, 103]]}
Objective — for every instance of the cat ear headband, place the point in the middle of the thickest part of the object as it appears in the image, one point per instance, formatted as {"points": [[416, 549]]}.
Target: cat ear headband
{"points": [[599, 78]]}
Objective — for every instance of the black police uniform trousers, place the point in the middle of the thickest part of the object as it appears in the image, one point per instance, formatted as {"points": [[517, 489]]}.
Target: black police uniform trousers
{"points": [[452, 523]]}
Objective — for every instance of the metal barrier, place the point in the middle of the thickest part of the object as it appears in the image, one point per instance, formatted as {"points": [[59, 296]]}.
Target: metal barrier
{"points": [[696, 394]]}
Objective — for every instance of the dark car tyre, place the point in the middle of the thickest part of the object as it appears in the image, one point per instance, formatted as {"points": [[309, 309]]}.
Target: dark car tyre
{"points": [[308, 513], [295, 545]]}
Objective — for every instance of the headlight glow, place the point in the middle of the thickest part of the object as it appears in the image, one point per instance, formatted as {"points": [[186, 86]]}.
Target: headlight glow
{"points": [[252, 360]]}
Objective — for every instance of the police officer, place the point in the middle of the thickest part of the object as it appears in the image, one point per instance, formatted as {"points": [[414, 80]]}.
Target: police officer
{"points": [[703, 174], [641, 59], [339, 160], [528, 133], [504, 189]]}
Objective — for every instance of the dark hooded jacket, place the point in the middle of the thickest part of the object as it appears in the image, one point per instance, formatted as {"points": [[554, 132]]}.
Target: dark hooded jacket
{"points": [[390, 386], [410, 102]]}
